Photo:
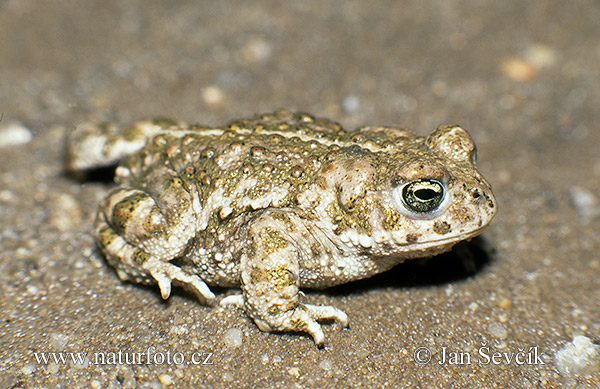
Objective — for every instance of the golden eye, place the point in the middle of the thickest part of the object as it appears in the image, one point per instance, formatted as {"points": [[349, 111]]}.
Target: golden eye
{"points": [[423, 195]]}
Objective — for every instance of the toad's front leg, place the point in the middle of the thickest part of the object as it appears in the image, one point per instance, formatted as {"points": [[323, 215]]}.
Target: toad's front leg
{"points": [[270, 270], [140, 234]]}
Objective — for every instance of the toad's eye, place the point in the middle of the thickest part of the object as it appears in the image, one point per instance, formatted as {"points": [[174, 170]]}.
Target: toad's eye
{"points": [[423, 196]]}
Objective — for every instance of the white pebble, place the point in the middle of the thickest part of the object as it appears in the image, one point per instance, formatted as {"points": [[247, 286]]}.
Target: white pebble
{"points": [[213, 95], [129, 380], [28, 369], [52, 368], [584, 201], [257, 50], [32, 290], [65, 213], [325, 364], [294, 371], [351, 104], [497, 330], [14, 133], [179, 330], [541, 55], [58, 341], [265, 359], [165, 379], [6, 195], [578, 358], [233, 337]]}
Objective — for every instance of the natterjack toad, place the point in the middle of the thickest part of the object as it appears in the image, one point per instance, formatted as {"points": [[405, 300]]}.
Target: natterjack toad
{"points": [[278, 202]]}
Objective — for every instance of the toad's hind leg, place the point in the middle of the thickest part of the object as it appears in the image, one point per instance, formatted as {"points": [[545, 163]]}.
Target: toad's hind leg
{"points": [[139, 239], [93, 145], [270, 269]]}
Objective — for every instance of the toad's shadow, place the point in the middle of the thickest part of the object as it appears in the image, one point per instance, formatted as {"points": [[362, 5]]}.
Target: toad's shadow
{"points": [[465, 260], [99, 175]]}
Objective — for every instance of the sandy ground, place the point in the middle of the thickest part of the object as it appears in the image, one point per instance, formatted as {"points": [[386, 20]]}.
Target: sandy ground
{"points": [[522, 77]]}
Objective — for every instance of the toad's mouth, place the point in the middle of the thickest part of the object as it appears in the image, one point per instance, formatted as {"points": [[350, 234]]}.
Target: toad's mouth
{"points": [[438, 245], [396, 242]]}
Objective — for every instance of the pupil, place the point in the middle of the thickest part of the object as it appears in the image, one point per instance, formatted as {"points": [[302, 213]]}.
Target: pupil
{"points": [[425, 194]]}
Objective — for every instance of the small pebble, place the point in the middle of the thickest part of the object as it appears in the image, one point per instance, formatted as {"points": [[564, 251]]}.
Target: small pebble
{"points": [[6, 195], [584, 201], [233, 337], [228, 377], [179, 330], [65, 213], [52, 368], [581, 357], [213, 95], [28, 369], [257, 50], [531, 276], [32, 290], [351, 104], [518, 69], [541, 56], [497, 330], [325, 364], [505, 303], [13, 134], [294, 371], [58, 341], [265, 359], [129, 380], [165, 379]]}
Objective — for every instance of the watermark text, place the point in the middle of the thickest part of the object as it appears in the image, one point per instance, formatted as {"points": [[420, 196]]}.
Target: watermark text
{"points": [[151, 356], [483, 355]]}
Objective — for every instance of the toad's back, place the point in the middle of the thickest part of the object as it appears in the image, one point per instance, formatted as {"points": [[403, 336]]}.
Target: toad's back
{"points": [[263, 161]]}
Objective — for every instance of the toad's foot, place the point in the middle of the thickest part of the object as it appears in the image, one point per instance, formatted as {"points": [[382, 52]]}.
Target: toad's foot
{"points": [[166, 273], [304, 317]]}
